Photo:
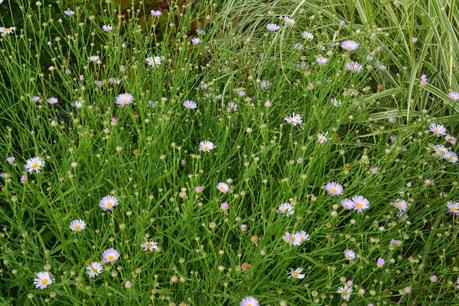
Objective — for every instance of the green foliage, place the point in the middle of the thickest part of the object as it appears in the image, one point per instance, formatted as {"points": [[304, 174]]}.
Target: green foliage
{"points": [[376, 123]]}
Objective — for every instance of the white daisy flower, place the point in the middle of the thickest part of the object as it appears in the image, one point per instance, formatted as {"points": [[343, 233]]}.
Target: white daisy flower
{"points": [[9, 30], [381, 67], [423, 80], [400, 205], [289, 238], [321, 60], [53, 100], [349, 254], [349, 45], [347, 204], [124, 99], [286, 209], [110, 255], [94, 59], [334, 189], [155, 13], [34, 164], [77, 225], [150, 246], [294, 119], [11, 159], [36, 99], [94, 269], [115, 81], [240, 92], [231, 107], [451, 157], [154, 61], [360, 203], [249, 301], [440, 151], [43, 280], [289, 21], [296, 273], [69, 12], [451, 139], [307, 35], [354, 67], [189, 104], [453, 95], [223, 187], [300, 237], [392, 118], [272, 27], [195, 40], [78, 104], [107, 27], [322, 138], [206, 146], [108, 202], [345, 292], [437, 129], [265, 84]]}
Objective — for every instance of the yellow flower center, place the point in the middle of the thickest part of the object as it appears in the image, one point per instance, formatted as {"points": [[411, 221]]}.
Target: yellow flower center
{"points": [[149, 245], [44, 281], [111, 257], [124, 100], [77, 228], [95, 270], [345, 292], [205, 148], [109, 204], [453, 208], [295, 274], [333, 190], [35, 166], [399, 205], [359, 205]]}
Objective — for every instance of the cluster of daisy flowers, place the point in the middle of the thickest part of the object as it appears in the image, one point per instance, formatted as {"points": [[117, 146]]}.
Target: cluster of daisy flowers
{"points": [[109, 256], [297, 120], [358, 203], [34, 165], [347, 45], [442, 151], [296, 238]]}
